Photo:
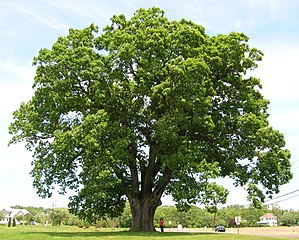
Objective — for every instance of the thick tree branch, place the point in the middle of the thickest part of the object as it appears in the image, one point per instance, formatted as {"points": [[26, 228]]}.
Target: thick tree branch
{"points": [[133, 169], [162, 183], [147, 176]]}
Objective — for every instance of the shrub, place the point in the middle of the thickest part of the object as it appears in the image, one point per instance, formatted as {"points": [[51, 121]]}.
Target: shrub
{"points": [[14, 222]]}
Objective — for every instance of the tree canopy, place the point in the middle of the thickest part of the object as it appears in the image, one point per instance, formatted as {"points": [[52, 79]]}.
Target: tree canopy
{"points": [[148, 107]]}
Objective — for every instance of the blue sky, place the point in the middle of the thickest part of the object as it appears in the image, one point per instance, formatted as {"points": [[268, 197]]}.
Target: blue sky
{"points": [[27, 26]]}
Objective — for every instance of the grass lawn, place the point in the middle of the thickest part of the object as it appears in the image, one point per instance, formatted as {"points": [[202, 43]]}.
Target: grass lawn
{"points": [[74, 233]]}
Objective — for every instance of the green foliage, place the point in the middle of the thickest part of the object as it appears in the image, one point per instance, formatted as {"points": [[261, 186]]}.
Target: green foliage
{"points": [[1, 215], [146, 107], [55, 216], [58, 216], [9, 222], [20, 218], [199, 218], [289, 218], [125, 220], [250, 216], [278, 212], [14, 222], [168, 213]]}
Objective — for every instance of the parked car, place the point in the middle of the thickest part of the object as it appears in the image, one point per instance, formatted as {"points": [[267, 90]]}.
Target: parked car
{"points": [[219, 229]]}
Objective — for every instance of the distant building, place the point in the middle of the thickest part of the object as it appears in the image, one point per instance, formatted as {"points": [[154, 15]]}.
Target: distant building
{"points": [[12, 213], [268, 219]]}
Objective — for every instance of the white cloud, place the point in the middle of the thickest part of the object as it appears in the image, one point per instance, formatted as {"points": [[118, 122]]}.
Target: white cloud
{"points": [[38, 13], [52, 23]]}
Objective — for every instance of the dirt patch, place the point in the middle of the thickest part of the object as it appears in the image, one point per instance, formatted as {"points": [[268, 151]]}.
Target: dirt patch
{"points": [[279, 232], [283, 232]]}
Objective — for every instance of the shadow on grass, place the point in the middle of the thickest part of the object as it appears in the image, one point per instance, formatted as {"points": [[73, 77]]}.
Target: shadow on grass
{"points": [[117, 234]]}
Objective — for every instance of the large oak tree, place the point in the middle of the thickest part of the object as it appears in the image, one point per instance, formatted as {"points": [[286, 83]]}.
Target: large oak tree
{"points": [[144, 108]]}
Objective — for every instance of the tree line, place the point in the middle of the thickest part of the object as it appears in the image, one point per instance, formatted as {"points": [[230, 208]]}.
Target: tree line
{"points": [[200, 217], [196, 217]]}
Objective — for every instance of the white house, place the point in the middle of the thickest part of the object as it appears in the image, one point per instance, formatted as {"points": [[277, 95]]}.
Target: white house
{"points": [[12, 213], [268, 219]]}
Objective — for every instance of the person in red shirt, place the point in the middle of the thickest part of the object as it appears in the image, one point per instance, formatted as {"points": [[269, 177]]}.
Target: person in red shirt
{"points": [[162, 224]]}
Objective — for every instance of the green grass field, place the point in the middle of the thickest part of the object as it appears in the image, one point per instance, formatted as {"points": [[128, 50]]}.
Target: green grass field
{"points": [[74, 233]]}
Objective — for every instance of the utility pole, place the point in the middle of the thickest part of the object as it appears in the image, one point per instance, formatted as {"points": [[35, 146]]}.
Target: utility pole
{"points": [[238, 222]]}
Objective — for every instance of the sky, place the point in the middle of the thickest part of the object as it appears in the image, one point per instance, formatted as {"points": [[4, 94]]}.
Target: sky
{"points": [[28, 26]]}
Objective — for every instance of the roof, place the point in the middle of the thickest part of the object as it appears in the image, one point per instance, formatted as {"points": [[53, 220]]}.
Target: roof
{"points": [[268, 215], [15, 212]]}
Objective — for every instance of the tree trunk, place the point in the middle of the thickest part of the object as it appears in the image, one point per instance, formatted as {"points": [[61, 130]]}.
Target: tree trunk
{"points": [[143, 211], [214, 220]]}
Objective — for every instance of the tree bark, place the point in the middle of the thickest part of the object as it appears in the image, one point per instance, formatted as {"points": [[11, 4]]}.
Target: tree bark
{"points": [[143, 211]]}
